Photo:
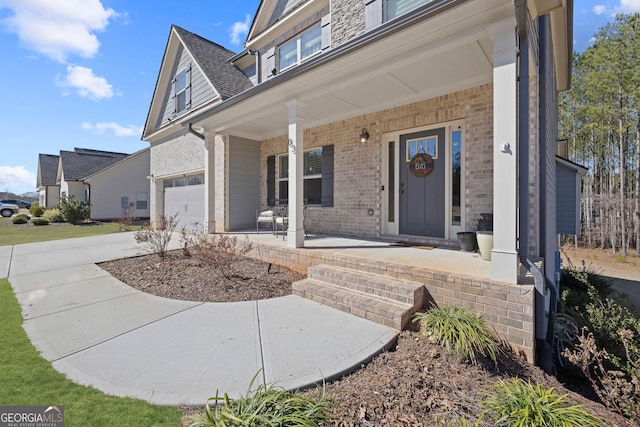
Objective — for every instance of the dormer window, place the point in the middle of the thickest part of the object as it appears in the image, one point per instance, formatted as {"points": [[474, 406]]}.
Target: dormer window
{"points": [[182, 91], [400, 7], [302, 46]]}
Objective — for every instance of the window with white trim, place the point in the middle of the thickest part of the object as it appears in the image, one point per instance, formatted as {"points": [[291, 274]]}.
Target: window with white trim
{"points": [[395, 8], [182, 90], [142, 200], [302, 46], [312, 165]]}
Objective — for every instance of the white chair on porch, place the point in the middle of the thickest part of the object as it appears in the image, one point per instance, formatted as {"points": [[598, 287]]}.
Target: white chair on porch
{"points": [[281, 220], [265, 217]]}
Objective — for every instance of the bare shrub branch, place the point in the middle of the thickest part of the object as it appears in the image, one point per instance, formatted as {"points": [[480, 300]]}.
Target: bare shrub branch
{"points": [[156, 238]]}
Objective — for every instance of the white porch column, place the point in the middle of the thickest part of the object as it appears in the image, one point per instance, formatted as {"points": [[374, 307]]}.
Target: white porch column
{"points": [[221, 183], [295, 232], [209, 182], [504, 256]]}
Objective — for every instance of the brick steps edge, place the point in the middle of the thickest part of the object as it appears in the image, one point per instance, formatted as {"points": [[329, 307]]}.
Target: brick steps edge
{"points": [[382, 310]]}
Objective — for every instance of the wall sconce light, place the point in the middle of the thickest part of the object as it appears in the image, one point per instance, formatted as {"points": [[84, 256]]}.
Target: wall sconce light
{"points": [[364, 136]]}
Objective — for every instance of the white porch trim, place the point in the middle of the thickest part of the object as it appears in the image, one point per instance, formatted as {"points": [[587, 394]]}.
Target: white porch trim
{"points": [[295, 232], [209, 182], [504, 255]]}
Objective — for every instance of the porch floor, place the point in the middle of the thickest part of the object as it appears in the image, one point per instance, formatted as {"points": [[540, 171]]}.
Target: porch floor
{"points": [[443, 258]]}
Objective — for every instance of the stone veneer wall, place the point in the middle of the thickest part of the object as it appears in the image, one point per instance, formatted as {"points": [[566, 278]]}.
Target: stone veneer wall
{"points": [[357, 166], [347, 20], [508, 308]]}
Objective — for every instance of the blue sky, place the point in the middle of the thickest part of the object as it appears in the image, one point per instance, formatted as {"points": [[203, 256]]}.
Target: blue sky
{"points": [[81, 73]]}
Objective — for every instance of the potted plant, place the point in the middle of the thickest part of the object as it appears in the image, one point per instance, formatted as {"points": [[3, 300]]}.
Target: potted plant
{"points": [[467, 241], [484, 235]]}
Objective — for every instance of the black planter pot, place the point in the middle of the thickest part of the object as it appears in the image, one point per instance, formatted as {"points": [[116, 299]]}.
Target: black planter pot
{"points": [[467, 241], [486, 223]]}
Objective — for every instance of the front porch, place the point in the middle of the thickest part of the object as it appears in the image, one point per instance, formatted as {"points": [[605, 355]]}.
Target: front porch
{"points": [[449, 276]]}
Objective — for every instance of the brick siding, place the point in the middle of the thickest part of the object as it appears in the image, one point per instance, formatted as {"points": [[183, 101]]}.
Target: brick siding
{"points": [[358, 167]]}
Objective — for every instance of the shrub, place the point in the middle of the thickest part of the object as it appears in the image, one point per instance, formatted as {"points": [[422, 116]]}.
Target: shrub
{"points": [[583, 293], [126, 220], [575, 283], [20, 219], [606, 319], [36, 210], [265, 406], [74, 210], [619, 392], [40, 221], [458, 330], [220, 251], [53, 215], [156, 238], [516, 403]]}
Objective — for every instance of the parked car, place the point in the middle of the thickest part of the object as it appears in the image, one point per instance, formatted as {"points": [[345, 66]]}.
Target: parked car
{"points": [[8, 209], [20, 203]]}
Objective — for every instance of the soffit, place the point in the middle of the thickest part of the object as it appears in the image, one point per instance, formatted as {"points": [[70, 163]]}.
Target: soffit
{"points": [[435, 57]]}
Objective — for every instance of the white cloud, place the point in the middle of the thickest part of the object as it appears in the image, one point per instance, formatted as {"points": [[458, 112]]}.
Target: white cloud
{"points": [[17, 179], [239, 29], [85, 83], [58, 29], [624, 6], [599, 9], [630, 6], [118, 130]]}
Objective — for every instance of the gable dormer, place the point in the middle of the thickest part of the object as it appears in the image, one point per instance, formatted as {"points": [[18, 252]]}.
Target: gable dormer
{"points": [[194, 73], [284, 34]]}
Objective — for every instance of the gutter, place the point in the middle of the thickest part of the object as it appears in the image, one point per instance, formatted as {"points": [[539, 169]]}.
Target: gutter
{"points": [[192, 131]]}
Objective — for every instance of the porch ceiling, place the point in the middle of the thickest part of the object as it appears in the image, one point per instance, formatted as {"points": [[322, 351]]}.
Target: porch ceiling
{"points": [[450, 52]]}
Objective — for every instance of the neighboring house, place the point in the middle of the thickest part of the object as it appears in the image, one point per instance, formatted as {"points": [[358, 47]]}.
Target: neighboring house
{"points": [[114, 184], [121, 189], [391, 118], [46, 183]]}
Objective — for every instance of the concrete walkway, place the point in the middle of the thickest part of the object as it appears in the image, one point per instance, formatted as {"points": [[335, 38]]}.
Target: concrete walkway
{"points": [[101, 332]]}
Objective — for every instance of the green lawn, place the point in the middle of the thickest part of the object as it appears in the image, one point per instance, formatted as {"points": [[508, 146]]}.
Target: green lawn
{"points": [[26, 379], [16, 234]]}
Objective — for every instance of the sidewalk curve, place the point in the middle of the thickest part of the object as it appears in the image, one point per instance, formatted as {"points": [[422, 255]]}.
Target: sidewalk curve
{"points": [[101, 332]]}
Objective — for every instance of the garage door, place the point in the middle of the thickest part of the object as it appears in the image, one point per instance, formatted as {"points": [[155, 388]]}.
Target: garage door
{"points": [[185, 196]]}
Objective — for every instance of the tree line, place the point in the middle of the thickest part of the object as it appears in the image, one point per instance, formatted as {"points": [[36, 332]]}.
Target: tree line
{"points": [[599, 118]]}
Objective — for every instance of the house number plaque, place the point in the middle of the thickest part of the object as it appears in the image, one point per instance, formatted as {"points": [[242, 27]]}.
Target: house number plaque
{"points": [[421, 164]]}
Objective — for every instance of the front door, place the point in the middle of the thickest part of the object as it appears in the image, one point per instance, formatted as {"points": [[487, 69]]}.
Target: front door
{"points": [[422, 185]]}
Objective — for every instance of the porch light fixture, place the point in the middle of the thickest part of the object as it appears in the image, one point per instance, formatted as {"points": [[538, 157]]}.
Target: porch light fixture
{"points": [[364, 136]]}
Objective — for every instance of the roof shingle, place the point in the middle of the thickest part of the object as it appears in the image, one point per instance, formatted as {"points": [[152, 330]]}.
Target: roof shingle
{"points": [[213, 59], [78, 164]]}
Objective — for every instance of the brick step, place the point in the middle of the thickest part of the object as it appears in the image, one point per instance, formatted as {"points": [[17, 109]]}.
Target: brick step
{"points": [[372, 307], [377, 285]]}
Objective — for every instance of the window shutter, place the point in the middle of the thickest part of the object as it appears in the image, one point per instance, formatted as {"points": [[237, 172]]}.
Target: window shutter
{"points": [[269, 63], [372, 14], [327, 176], [271, 180], [173, 95], [187, 101], [325, 24]]}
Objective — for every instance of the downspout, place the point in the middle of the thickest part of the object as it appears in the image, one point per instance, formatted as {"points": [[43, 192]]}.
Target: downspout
{"points": [[544, 349], [192, 131], [256, 53]]}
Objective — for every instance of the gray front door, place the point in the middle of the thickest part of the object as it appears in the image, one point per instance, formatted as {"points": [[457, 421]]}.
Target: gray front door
{"points": [[422, 198]]}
